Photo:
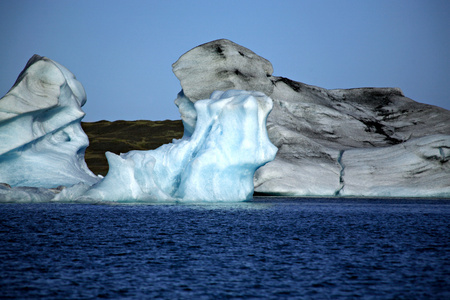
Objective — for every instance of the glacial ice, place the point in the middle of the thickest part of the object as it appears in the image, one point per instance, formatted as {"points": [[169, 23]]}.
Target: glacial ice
{"points": [[42, 146], [41, 141], [215, 161], [342, 142]]}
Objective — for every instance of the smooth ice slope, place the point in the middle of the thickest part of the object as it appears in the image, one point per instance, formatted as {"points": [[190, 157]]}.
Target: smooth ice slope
{"points": [[362, 142], [215, 161], [41, 140]]}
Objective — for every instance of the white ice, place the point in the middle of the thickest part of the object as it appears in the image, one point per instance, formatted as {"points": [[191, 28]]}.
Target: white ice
{"points": [[214, 161], [42, 146], [342, 142], [42, 143]]}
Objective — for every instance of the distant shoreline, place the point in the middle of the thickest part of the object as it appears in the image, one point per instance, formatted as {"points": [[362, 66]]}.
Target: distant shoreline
{"points": [[123, 136]]}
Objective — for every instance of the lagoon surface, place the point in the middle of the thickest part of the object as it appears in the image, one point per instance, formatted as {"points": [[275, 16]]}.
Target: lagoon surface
{"points": [[270, 248]]}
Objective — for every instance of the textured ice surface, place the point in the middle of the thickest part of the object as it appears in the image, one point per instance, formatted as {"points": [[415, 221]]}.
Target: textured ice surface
{"points": [[399, 170], [26, 194], [362, 142], [42, 146], [41, 140], [214, 162], [343, 142], [222, 65]]}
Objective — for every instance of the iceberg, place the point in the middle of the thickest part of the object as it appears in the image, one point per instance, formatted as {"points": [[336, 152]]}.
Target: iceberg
{"points": [[42, 146], [315, 141], [340, 142], [214, 161], [42, 143]]}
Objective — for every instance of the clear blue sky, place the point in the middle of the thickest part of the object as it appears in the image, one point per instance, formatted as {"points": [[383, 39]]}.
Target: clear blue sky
{"points": [[122, 51]]}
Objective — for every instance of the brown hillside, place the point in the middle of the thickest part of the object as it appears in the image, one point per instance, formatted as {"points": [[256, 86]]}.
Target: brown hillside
{"points": [[123, 136]]}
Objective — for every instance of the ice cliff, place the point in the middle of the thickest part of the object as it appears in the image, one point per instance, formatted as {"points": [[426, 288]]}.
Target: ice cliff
{"points": [[343, 142], [41, 140]]}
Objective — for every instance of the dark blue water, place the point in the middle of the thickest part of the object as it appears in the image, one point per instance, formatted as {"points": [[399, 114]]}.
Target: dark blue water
{"points": [[271, 248]]}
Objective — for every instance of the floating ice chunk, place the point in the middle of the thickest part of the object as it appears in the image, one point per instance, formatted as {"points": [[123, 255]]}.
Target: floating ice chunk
{"points": [[41, 140], [215, 162], [26, 194]]}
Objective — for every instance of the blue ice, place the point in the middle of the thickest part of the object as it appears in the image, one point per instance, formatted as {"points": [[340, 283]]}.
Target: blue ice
{"points": [[214, 161]]}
